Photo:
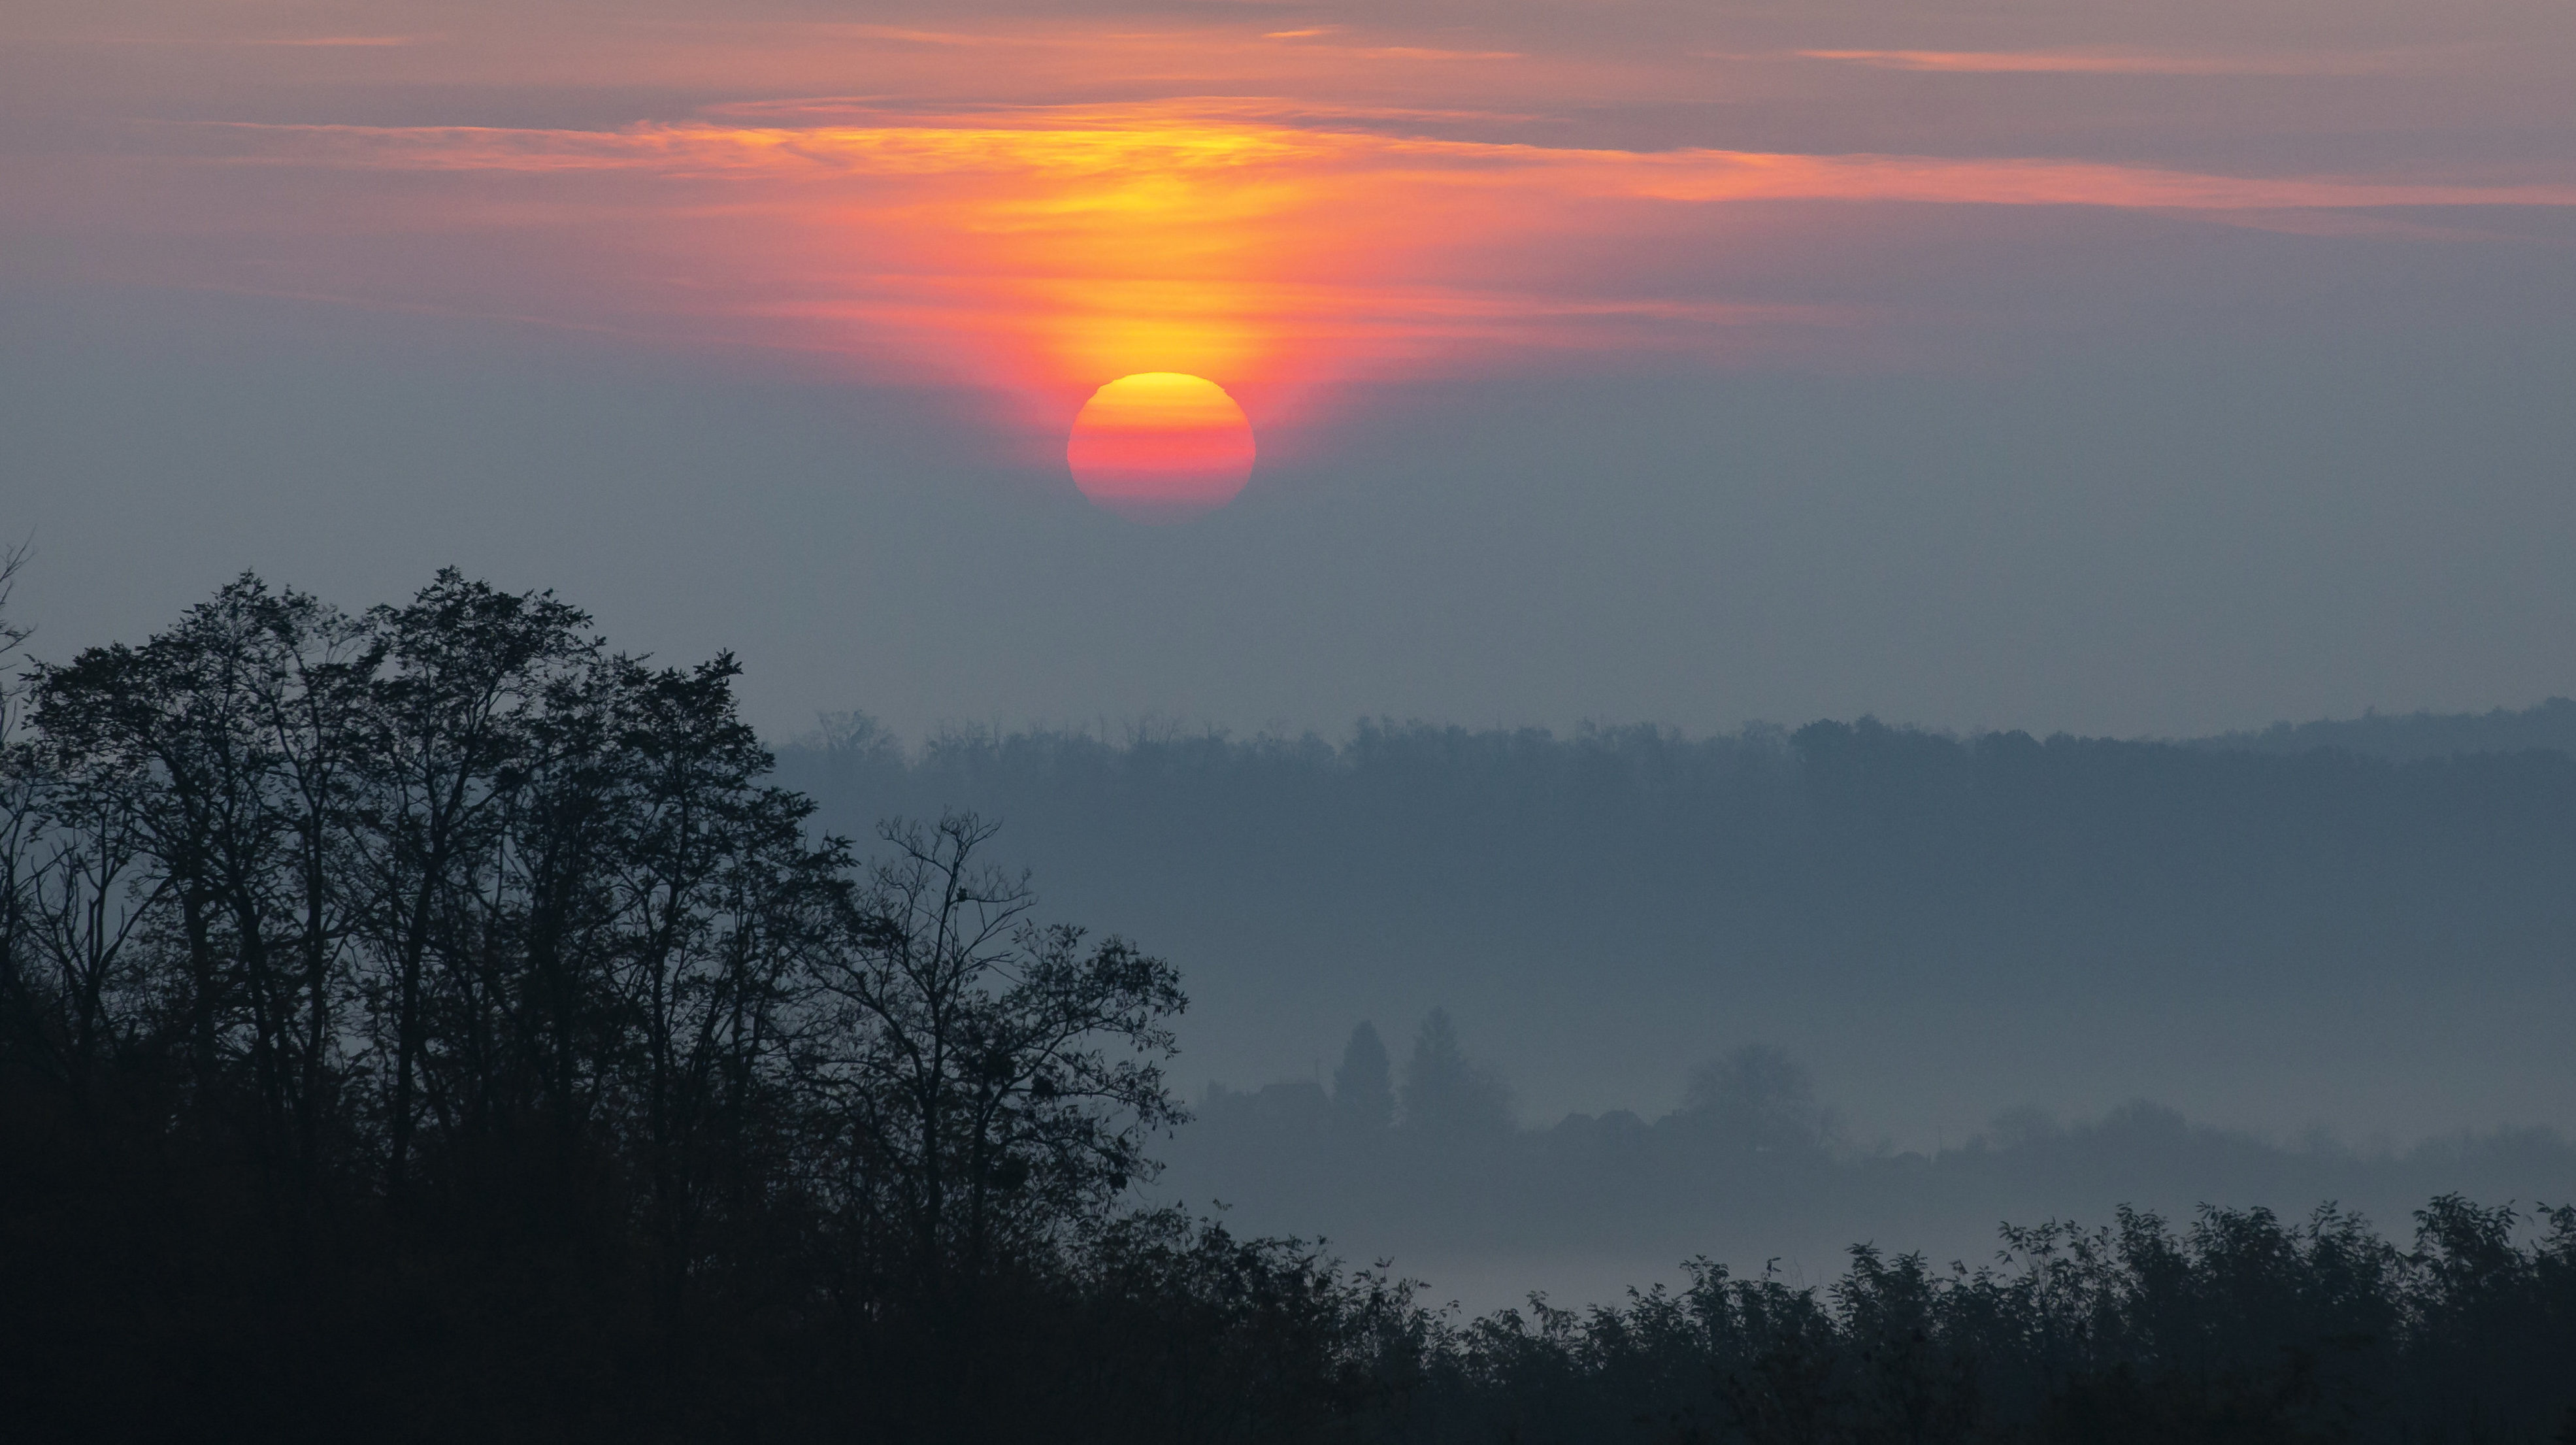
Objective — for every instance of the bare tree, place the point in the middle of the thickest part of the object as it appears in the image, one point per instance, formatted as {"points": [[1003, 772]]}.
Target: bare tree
{"points": [[714, 895], [225, 748], [993, 1080], [313, 696], [18, 787], [86, 901], [12, 634], [75, 888], [467, 669]]}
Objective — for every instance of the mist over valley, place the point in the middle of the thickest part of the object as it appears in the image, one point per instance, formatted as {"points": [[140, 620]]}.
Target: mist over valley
{"points": [[1995, 976]]}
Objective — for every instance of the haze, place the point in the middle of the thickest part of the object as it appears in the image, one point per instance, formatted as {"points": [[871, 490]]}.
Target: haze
{"points": [[2149, 372], [2047, 398]]}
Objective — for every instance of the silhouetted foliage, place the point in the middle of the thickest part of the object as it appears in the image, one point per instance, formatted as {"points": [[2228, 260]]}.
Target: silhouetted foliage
{"points": [[989, 1082], [2240, 1327], [429, 1024], [437, 991], [1750, 1165]]}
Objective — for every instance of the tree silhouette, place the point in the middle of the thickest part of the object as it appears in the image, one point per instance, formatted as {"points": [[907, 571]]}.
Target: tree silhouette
{"points": [[1364, 1085], [991, 1081], [1446, 1095], [428, 1022], [467, 672], [20, 994], [1756, 1098]]}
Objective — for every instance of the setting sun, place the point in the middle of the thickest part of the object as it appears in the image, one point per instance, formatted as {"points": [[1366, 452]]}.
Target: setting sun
{"points": [[1160, 446]]}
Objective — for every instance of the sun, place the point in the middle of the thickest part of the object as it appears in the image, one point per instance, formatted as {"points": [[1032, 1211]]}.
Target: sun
{"points": [[1160, 446]]}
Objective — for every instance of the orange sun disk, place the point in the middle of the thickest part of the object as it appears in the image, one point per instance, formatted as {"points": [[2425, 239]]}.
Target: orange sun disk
{"points": [[1160, 446]]}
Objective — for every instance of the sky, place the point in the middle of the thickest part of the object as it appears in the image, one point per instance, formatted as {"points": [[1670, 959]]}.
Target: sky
{"points": [[2142, 369]]}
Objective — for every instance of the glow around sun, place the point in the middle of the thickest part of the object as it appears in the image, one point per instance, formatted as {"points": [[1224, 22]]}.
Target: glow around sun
{"points": [[1160, 446]]}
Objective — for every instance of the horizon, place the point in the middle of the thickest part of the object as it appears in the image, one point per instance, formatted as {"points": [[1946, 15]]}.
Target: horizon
{"points": [[1155, 729], [2120, 374], [830, 719]]}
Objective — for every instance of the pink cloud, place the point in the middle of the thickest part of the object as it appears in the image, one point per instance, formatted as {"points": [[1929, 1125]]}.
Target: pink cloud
{"points": [[2112, 62]]}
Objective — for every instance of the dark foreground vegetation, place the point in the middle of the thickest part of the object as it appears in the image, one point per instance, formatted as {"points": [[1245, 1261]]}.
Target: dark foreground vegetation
{"points": [[428, 1025]]}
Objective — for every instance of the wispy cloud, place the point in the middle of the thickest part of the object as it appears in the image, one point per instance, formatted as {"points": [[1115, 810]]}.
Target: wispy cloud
{"points": [[905, 36], [336, 42], [1232, 135], [1416, 52], [1043, 244], [2111, 62], [889, 111], [296, 42]]}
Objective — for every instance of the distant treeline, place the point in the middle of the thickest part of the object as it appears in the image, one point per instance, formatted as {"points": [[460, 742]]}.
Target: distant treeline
{"points": [[2549, 725], [1954, 924], [1422, 1159], [428, 1024], [2266, 818]]}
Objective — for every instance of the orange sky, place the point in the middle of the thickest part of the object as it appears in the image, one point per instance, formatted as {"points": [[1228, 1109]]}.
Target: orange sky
{"points": [[1965, 360], [1277, 196]]}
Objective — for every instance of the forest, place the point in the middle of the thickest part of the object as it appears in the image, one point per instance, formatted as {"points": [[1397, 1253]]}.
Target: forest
{"points": [[429, 1022], [2361, 926]]}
